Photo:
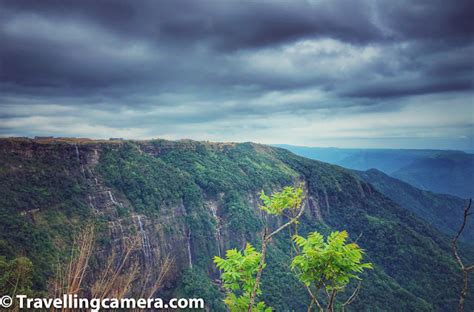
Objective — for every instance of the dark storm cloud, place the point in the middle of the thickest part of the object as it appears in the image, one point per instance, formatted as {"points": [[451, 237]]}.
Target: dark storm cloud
{"points": [[181, 39], [74, 43], [204, 61], [435, 19], [233, 24]]}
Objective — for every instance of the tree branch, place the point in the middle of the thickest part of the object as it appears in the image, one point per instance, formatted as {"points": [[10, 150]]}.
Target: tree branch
{"points": [[313, 300], [259, 270], [352, 297], [293, 220], [465, 270], [332, 297]]}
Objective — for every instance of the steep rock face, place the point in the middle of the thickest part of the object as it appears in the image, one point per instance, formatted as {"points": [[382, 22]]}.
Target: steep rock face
{"points": [[189, 201]]}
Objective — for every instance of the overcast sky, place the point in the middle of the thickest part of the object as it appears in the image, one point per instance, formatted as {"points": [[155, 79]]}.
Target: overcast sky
{"points": [[317, 73]]}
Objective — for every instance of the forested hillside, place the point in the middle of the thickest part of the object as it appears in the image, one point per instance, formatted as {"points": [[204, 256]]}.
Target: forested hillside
{"points": [[190, 201], [442, 211], [442, 173]]}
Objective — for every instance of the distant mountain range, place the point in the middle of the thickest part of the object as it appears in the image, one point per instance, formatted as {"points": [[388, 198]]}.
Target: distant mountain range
{"points": [[446, 172]]}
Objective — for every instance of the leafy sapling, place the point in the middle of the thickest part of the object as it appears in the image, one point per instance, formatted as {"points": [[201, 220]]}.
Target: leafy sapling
{"points": [[239, 277], [242, 271], [328, 265], [289, 199]]}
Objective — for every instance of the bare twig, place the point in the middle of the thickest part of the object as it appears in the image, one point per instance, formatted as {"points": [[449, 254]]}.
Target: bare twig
{"points": [[465, 269], [351, 297], [313, 300], [358, 237], [310, 306], [114, 280]]}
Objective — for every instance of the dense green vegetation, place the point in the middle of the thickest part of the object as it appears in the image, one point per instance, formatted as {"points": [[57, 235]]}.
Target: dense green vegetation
{"points": [[195, 283], [242, 219], [44, 197], [147, 182], [239, 168], [41, 203], [16, 275]]}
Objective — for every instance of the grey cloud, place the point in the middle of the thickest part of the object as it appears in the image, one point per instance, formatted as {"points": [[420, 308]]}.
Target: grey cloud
{"points": [[397, 88]]}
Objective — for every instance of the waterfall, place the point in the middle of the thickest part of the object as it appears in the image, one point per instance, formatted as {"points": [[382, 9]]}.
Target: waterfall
{"points": [[189, 249], [91, 202], [112, 199], [118, 233], [326, 197], [145, 241], [218, 229], [79, 160], [77, 152], [121, 228]]}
